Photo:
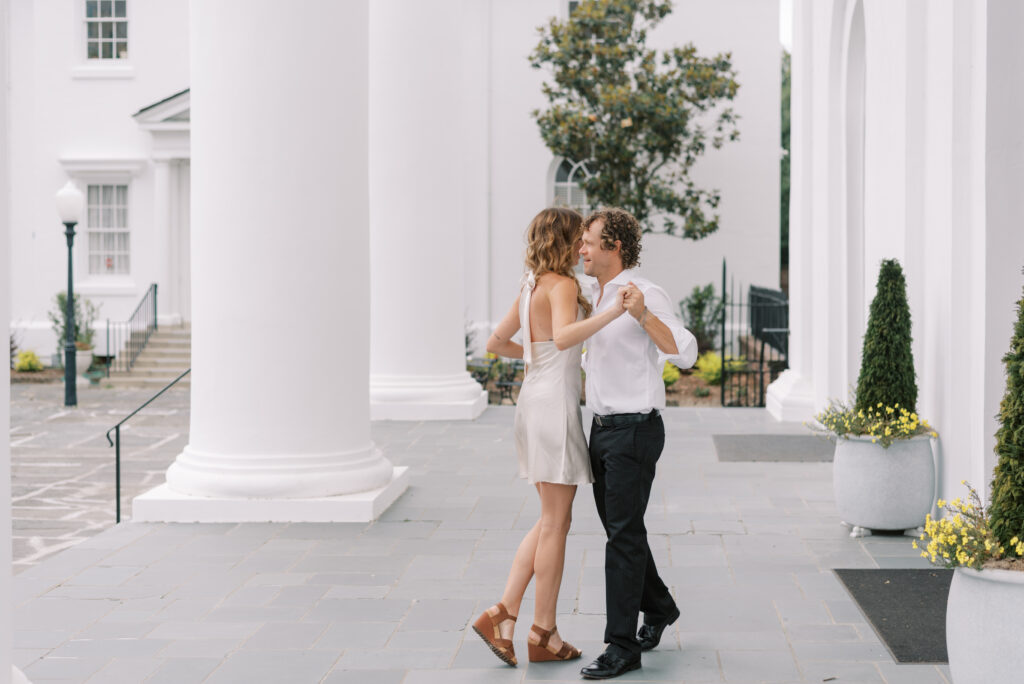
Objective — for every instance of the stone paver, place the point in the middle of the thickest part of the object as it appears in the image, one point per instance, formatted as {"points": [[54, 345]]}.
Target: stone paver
{"points": [[747, 549]]}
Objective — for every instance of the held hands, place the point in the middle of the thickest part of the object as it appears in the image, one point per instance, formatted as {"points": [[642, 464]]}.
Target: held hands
{"points": [[633, 300]]}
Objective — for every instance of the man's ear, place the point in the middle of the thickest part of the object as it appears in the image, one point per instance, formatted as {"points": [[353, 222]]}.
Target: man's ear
{"points": [[618, 246]]}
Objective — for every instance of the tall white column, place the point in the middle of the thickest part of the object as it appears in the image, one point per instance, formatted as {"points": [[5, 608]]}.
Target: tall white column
{"points": [[417, 360], [280, 244], [8, 673]]}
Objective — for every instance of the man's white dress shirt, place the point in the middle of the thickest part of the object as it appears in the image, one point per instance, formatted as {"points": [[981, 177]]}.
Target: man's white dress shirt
{"points": [[622, 363]]}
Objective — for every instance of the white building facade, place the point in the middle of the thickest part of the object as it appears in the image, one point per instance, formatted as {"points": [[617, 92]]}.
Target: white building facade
{"points": [[100, 94], [907, 144]]}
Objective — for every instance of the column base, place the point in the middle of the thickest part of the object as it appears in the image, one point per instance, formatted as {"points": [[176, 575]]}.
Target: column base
{"points": [[163, 504], [457, 397], [790, 398]]}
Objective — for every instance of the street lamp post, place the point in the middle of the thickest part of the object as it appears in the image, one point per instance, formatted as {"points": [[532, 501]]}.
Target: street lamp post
{"points": [[69, 208]]}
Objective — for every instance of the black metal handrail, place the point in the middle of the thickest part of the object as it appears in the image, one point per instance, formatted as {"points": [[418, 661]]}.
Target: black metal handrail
{"points": [[131, 336], [116, 442]]}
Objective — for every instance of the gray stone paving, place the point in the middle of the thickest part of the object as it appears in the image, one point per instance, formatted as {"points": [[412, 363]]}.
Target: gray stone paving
{"points": [[747, 549]]}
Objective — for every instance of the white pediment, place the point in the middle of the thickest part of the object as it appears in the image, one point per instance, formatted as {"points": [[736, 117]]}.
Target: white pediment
{"points": [[170, 114]]}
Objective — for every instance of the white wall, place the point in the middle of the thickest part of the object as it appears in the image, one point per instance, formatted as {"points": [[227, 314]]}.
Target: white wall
{"points": [[57, 114], [746, 172], [6, 600]]}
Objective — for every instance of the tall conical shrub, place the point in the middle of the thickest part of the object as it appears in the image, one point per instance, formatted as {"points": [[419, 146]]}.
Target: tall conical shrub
{"points": [[1007, 506], [887, 362]]}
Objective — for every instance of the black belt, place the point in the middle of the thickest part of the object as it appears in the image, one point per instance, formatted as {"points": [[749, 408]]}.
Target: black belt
{"points": [[617, 419]]}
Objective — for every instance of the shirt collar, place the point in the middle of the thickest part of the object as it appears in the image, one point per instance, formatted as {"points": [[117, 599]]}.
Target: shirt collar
{"points": [[622, 279]]}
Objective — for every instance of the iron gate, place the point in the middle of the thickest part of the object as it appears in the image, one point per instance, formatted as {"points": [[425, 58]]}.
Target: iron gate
{"points": [[754, 341]]}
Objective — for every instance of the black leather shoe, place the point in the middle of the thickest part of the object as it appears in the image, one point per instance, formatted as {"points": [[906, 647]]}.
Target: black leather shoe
{"points": [[649, 636], [609, 665]]}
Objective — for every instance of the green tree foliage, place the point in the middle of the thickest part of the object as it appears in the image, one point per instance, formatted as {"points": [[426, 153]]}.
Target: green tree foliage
{"points": [[784, 164], [640, 118], [1007, 506], [887, 362]]}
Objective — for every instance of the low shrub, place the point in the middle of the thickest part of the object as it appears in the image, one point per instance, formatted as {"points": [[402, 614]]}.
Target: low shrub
{"points": [[669, 374], [709, 367], [28, 362]]}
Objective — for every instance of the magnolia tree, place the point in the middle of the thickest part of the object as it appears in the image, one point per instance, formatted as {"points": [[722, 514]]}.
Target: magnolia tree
{"points": [[640, 118]]}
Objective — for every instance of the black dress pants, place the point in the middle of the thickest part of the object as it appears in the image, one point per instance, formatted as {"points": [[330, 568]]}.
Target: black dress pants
{"points": [[623, 458]]}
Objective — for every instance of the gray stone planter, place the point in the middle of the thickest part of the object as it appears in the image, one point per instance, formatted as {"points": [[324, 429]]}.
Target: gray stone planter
{"points": [[884, 489], [984, 623]]}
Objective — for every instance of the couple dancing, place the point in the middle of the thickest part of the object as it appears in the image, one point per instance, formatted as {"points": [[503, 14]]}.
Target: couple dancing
{"points": [[630, 331]]}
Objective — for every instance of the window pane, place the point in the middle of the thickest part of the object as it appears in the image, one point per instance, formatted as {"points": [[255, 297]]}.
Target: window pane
{"points": [[579, 198], [108, 51], [90, 8], [109, 241], [94, 241], [108, 263], [106, 8], [121, 30], [562, 174], [94, 194], [119, 8], [122, 50], [122, 264], [561, 196], [94, 263], [93, 29], [107, 29], [122, 243], [93, 51], [122, 195], [108, 196], [122, 218]]}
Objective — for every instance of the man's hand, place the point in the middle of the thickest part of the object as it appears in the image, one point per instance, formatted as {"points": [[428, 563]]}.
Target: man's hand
{"points": [[633, 300], [620, 305]]}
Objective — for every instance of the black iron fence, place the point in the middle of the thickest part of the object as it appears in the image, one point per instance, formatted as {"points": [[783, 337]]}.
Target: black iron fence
{"points": [[753, 342], [127, 339]]}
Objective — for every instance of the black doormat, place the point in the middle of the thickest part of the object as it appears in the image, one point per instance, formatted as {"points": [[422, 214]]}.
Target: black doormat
{"points": [[906, 608], [801, 448]]}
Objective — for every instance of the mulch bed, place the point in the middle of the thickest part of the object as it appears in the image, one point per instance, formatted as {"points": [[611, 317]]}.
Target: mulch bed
{"points": [[45, 375]]}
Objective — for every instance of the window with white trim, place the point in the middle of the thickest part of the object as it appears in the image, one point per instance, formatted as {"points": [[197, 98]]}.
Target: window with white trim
{"points": [[569, 192], [106, 29], [107, 230]]}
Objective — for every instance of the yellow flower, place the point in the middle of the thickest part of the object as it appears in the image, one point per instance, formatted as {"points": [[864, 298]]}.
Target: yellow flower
{"points": [[940, 503]]}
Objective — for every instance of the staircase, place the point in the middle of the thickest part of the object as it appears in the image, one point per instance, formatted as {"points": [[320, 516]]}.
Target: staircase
{"points": [[167, 355]]}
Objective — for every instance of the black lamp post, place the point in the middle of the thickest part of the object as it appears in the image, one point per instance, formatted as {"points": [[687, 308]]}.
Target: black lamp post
{"points": [[69, 207]]}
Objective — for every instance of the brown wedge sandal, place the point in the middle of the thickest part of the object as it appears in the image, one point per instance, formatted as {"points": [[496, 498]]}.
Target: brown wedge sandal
{"points": [[487, 627], [541, 652]]}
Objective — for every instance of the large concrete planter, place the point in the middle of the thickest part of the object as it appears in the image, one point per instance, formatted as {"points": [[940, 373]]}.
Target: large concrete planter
{"points": [[984, 623], [883, 489], [83, 359]]}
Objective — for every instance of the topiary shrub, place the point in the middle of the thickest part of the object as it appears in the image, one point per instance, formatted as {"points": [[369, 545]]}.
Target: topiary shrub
{"points": [[1007, 505], [887, 362], [702, 315]]}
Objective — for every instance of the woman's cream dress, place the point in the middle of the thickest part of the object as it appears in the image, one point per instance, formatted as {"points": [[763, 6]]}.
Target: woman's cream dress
{"points": [[548, 423]]}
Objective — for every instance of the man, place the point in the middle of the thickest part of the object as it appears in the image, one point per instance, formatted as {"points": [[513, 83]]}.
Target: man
{"points": [[625, 391]]}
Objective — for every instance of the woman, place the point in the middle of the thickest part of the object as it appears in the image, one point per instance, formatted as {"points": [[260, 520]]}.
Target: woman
{"points": [[554, 317]]}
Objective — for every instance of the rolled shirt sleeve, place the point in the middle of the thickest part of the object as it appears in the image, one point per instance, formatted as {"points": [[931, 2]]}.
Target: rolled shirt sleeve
{"points": [[658, 303]]}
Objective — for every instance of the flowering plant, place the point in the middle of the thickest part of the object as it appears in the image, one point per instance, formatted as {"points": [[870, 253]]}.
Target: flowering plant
{"points": [[884, 424], [965, 537]]}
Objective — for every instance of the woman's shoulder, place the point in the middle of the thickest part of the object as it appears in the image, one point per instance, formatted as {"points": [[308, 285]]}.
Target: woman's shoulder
{"points": [[551, 279]]}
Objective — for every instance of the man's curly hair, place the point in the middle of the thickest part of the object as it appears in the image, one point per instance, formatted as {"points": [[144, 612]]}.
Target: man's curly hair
{"points": [[619, 225]]}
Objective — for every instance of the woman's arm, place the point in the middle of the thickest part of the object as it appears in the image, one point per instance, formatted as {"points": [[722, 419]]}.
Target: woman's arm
{"points": [[567, 330], [500, 342]]}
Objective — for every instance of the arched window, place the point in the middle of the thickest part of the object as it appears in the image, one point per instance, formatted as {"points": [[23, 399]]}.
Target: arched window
{"points": [[568, 186]]}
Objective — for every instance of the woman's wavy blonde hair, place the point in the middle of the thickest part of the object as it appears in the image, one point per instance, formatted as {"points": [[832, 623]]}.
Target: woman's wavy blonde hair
{"points": [[551, 242]]}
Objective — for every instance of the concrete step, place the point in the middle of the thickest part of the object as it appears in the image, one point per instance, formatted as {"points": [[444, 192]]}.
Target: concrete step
{"points": [[169, 373], [169, 343], [165, 362], [155, 384]]}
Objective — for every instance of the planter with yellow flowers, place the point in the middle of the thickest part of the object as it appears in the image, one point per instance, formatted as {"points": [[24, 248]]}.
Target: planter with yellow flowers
{"points": [[985, 609], [883, 472]]}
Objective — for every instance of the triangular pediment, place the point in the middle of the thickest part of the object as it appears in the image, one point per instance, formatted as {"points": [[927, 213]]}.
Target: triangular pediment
{"points": [[171, 113]]}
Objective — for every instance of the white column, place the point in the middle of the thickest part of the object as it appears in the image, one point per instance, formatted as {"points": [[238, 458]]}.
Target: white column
{"points": [[8, 673], [418, 361], [791, 396], [280, 246]]}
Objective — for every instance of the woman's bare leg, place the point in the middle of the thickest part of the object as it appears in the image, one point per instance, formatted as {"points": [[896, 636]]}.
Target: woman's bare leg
{"points": [[519, 576], [555, 518]]}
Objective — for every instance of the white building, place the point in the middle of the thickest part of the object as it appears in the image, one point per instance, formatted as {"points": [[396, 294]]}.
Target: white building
{"points": [[907, 144], [114, 114]]}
